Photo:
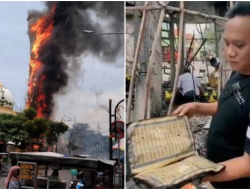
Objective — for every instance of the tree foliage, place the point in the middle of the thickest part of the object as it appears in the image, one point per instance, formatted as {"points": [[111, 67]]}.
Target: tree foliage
{"points": [[35, 127], [30, 113], [11, 128], [55, 130], [25, 126]]}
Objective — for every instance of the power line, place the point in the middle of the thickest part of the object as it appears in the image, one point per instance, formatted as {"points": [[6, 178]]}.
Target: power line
{"points": [[98, 122], [92, 123]]}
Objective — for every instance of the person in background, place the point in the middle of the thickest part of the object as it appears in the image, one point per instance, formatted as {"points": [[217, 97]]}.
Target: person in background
{"points": [[189, 86], [12, 181], [55, 174]]}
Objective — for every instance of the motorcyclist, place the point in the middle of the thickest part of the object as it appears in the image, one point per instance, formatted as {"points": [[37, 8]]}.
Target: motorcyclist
{"points": [[81, 184]]}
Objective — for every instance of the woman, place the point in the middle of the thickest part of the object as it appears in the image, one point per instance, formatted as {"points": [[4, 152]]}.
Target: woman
{"points": [[11, 181]]}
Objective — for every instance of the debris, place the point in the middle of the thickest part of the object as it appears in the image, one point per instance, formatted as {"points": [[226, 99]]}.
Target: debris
{"points": [[197, 124]]}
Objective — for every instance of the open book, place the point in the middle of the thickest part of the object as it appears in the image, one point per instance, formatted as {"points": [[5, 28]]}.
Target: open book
{"points": [[161, 153]]}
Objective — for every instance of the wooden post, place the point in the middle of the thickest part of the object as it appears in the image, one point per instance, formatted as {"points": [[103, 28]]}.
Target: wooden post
{"points": [[231, 4], [138, 47], [172, 48], [220, 70], [204, 49], [179, 57], [151, 59], [184, 52], [216, 39], [191, 12]]}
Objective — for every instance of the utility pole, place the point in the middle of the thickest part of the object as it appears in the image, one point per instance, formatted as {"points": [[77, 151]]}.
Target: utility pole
{"points": [[110, 131], [70, 144], [74, 125]]}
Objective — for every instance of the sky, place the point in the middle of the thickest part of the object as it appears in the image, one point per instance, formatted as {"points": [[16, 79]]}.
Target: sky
{"points": [[86, 97]]}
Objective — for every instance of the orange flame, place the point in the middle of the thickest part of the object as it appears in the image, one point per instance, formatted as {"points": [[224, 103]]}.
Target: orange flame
{"points": [[42, 29]]}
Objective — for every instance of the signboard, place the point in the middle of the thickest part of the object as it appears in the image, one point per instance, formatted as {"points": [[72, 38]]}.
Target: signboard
{"points": [[41, 170], [27, 175], [119, 129], [12, 148]]}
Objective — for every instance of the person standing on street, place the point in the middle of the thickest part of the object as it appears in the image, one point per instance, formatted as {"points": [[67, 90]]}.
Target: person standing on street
{"points": [[12, 181]]}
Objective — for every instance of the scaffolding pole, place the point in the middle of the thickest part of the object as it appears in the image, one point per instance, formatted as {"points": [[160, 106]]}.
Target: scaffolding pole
{"points": [[138, 47], [231, 4], [151, 59], [179, 57], [186, 11], [172, 48]]}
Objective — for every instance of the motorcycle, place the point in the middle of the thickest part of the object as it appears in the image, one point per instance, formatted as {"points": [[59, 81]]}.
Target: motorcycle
{"points": [[73, 184], [79, 183]]}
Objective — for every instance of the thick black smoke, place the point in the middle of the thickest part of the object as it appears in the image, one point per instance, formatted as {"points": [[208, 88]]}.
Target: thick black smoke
{"points": [[69, 40]]}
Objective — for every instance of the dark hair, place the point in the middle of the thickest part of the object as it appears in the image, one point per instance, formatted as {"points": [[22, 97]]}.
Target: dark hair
{"points": [[186, 70], [241, 8], [55, 173]]}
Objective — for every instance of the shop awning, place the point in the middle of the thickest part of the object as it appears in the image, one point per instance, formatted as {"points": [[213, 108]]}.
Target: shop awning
{"points": [[51, 157]]}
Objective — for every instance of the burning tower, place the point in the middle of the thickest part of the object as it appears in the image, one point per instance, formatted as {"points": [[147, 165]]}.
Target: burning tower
{"points": [[40, 31], [56, 36]]}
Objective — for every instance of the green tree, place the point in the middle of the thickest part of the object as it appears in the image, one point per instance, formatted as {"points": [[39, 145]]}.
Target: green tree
{"points": [[30, 113], [55, 130], [35, 127], [11, 128]]}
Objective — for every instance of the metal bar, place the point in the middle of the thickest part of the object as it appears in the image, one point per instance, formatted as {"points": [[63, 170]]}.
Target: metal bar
{"points": [[119, 163], [115, 117], [110, 129], [138, 47], [152, 56], [107, 33], [179, 57], [118, 105], [189, 50], [118, 144], [198, 50]]}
